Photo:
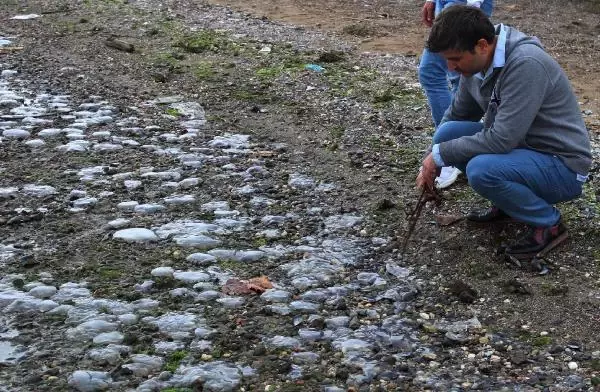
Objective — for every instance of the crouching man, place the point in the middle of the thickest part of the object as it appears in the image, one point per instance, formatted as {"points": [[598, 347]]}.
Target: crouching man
{"points": [[532, 150]]}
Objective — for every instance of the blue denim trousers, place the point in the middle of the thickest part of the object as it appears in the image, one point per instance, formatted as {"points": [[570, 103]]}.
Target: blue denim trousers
{"points": [[523, 183], [433, 71]]}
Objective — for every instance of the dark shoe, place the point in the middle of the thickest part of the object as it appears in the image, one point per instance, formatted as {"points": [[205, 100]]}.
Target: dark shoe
{"points": [[538, 241], [488, 215]]}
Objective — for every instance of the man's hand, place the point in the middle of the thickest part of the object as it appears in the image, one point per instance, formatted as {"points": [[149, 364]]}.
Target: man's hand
{"points": [[428, 13], [426, 177]]}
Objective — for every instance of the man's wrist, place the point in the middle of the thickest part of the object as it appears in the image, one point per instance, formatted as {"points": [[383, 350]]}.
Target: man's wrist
{"points": [[437, 157]]}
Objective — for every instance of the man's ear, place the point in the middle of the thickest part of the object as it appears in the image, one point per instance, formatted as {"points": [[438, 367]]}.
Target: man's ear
{"points": [[482, 45]]}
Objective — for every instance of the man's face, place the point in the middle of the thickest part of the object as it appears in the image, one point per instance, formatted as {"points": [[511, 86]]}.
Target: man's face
{"points": [[468, 63]]}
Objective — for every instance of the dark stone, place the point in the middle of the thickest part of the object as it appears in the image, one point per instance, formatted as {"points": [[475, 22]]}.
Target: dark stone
{"points": [[518, 357], [513, 286], [354, 323], [118, 44], [150, 328], [333, 56], [28, 261], [52, 372], [556, 349], [385, 204], [130, 339], [463, 291], [389, 359], [33, 379], [337, 304], [18, 283], [317, 323], [259, 351]]}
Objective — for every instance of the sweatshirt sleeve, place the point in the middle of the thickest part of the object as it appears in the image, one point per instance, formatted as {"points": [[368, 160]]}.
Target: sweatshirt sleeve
{"points": [[520, 94]]}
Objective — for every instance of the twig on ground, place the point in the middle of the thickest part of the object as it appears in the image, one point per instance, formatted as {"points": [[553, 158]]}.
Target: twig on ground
{"points": [[414, 215]]}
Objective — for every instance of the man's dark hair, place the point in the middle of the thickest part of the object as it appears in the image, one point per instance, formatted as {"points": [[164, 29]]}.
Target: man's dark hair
{"points": [[459, 27]]}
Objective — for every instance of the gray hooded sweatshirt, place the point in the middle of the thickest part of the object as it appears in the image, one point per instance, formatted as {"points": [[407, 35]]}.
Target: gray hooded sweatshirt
{"points": [[528, 103]]}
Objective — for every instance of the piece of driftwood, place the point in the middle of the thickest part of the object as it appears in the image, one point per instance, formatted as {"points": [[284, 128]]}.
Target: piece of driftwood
{"points": [[8, 49], [119, 44]]}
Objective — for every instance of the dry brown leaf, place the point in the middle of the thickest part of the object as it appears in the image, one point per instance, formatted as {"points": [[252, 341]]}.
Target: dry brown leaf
{"points": [[262, 282], [256, 285], [236, 287]]}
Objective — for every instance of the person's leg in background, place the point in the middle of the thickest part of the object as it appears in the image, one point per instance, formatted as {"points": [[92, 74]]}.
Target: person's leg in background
{"points": [[434, 80]]}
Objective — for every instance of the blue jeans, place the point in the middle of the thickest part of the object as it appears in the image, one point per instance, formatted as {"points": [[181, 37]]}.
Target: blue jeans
{"points": [[433, 70], [523, 183]]}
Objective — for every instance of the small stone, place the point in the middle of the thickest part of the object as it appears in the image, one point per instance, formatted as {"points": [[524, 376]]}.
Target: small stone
{"points": [[573, 365], [206, 357]]}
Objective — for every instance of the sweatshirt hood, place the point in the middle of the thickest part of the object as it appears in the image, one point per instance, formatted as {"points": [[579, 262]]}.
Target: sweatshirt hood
{"points": [[515, 38]]}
